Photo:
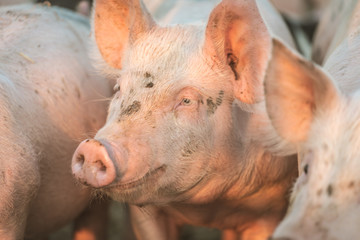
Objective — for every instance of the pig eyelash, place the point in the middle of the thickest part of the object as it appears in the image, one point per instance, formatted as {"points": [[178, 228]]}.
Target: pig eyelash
{"points": [[186, 102]]}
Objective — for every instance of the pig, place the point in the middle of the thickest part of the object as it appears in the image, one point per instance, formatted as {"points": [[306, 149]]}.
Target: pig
{"points": [[302, 16], [184, 138], [315, 109], [49, 100]]}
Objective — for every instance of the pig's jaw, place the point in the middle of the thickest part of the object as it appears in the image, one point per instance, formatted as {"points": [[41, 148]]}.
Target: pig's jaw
{"points": [[154, 188], [150, 176]]}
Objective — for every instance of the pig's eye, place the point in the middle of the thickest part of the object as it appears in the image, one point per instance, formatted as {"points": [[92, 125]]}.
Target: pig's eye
{"points": [[187, 99], [116, 88], [186, 102]]}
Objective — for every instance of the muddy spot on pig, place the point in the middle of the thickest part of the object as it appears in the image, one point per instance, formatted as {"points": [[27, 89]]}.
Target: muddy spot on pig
{"points": [[2, 178], [148, 116], [149, 85], [148, 75], [330, 190], [133, 108], [220, 98], [212, 106], [78, 94]]}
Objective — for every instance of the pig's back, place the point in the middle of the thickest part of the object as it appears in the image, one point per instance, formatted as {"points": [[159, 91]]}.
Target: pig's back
{"points": [[44, 54]]}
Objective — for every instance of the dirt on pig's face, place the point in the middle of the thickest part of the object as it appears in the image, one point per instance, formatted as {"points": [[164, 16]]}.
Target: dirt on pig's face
{"points": [[170, 122]]}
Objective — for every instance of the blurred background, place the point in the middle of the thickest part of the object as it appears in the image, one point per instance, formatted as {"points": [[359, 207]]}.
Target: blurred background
{"points": [[119, 228]]}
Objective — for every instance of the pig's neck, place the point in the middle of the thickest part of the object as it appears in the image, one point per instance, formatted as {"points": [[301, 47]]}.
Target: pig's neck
{"points": [[221, 203], [251, 185]]}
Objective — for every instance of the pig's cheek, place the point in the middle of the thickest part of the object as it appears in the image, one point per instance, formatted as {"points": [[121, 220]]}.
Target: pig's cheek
{"points": [[187, 116]]}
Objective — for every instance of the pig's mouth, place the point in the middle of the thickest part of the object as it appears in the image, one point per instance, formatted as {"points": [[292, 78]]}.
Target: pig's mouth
{"points": [[149, 176]]}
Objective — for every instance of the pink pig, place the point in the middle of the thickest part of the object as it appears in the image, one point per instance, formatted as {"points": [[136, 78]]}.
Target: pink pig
{"points": [[316, 108], [183, 141], [48, 101]]}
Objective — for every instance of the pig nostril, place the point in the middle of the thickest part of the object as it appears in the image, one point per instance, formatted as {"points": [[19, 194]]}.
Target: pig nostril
{"points": [[80, 159], [91, 164], [100, 166]]}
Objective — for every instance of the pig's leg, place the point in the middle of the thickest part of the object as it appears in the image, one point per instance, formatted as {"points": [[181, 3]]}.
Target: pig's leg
{"points": [[261, 229], [92, 223], [19, 182], [151, 224]]}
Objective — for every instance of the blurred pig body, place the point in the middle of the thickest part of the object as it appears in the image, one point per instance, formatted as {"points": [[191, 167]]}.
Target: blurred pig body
{"points": [[47, 88], [317, 109], [182, 140]]}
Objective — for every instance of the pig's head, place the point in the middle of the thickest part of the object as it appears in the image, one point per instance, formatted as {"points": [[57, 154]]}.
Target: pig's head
{"points": [[307, 109], [171, 124]]}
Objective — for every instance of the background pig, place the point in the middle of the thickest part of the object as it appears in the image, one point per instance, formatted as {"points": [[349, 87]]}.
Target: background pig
{"points": [[316, 109], [338, 20], [302, 17], [49, 101], [303, 11], [178, 144]]}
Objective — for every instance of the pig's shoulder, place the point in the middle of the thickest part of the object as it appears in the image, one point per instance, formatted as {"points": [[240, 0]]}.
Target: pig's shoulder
{"points": [[33, 34]]}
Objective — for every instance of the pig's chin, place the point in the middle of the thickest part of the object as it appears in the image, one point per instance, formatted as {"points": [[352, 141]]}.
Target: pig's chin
{"points": [[152, 188], [136, 191]]}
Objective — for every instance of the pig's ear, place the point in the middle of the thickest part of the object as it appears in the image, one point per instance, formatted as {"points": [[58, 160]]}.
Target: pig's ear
{"points": [[237, 36], [294, 90], [117, 23]]}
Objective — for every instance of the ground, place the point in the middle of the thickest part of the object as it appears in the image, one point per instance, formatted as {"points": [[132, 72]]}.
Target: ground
{"points": [[119, 230]]}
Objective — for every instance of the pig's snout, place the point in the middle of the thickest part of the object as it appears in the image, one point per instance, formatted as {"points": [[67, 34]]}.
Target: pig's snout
{"points": [[92, 165]]}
